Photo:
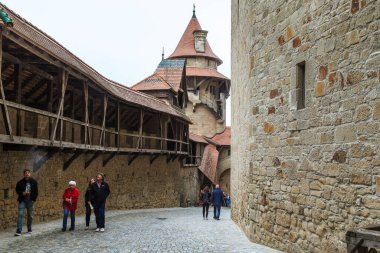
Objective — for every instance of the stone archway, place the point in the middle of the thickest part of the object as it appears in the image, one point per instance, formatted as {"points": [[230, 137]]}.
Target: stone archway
{"points": [[224, 181]]}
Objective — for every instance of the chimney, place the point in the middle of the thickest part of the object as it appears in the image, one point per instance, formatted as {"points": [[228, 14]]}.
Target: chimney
{"points": [[200, 40]]}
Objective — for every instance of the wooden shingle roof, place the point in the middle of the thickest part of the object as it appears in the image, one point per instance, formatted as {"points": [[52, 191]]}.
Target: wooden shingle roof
{"points": [[44, 42]]}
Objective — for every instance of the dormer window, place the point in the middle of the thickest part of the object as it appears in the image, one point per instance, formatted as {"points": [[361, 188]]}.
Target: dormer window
{"points": [[200, 40]]}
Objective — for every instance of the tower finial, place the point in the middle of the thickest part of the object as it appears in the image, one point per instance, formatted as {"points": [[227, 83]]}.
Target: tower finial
{"points": [[163, 53], [194, 11]]}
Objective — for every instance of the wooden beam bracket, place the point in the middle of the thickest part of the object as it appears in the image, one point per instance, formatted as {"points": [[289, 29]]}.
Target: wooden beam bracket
{"points": [[132, 157], [109, 158], [37, 164], [67, 163], [94, 156], [153, 158]]}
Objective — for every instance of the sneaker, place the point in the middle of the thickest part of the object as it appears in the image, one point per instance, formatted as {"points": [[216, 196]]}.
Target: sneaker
{"points": [[87, 228], [71, 229], [18, 233], [102, 230], [63, 229], [97, 230]]}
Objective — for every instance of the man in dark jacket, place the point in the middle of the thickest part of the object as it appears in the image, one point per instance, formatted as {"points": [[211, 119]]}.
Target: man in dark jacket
{"points": [[217, 200], [99, 193], [27, 190]]}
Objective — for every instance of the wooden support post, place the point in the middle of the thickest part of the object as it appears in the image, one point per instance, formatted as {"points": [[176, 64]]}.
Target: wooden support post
{"points": [[176, 135], [86, 121], [161, 132], [72, 116], [88, 162], [132, 157], [139, 142], [118, 125], [102, 134], [50, 98], [109, 158], [180, 135], [17, 91], [8, 124], [153, 158], [64, 76], [67, 163]]}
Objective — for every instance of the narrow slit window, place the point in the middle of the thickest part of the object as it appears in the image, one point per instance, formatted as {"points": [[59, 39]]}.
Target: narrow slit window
{"points": [[300, 72]]}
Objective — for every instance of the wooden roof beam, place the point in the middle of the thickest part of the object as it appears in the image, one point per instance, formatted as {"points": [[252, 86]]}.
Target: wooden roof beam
{"points": [[27, 66]]}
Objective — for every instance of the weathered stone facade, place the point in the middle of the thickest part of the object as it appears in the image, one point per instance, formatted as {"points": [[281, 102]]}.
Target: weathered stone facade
{"points": [[139, 185], [224, 169], [302, 177]]}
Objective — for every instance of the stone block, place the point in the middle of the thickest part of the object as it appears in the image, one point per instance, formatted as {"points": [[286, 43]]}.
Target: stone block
{"points": [[268, 128], [340, 156], [354, 77], [376, 110], [283, 218], [296, 42], [319, 90], [352, 38], [345, 134], [290, 33], [322, 73], [362, 113]]}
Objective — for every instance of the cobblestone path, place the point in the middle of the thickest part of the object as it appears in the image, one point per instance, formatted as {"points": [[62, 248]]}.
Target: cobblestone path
{"points": [[149, 230]]}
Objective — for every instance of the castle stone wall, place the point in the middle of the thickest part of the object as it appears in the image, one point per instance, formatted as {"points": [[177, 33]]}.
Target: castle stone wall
{"points": [[139, 185], [301, 178]]}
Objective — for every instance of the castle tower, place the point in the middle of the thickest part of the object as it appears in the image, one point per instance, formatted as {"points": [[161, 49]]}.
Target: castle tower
{"points": [[207, 88]]}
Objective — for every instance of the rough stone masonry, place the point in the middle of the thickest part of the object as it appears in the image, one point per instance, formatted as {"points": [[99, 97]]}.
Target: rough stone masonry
{"points": [[301, 177]]}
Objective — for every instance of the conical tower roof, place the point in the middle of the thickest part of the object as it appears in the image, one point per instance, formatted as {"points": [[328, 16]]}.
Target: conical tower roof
{"points": [[185, 47]]}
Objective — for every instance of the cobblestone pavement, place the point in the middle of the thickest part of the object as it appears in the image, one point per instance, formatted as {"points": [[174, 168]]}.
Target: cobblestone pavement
{"points": [[148, 230]]}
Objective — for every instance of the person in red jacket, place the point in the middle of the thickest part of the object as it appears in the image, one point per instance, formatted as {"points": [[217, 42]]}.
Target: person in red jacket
{"points": [[70, 199]]}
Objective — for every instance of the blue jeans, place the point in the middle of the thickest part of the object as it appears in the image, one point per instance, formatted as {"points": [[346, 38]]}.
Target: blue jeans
{"points": [[99, 210], [72, 218], [217, 211], [29, 208]]}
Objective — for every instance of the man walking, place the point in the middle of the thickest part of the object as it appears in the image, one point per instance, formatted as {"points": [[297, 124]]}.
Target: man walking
{"points": [[99, 193], [217, 200], [27, 190]]}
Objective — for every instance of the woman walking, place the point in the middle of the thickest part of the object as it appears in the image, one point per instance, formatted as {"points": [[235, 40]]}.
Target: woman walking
{"points": [[88, 203], [70, 199], [206, 195]]}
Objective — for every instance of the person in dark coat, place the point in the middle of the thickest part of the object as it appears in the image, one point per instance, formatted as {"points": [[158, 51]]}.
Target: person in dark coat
{"points": [[99, 193], [217, 201], [27, 190], [88, 203], [206, 197]]}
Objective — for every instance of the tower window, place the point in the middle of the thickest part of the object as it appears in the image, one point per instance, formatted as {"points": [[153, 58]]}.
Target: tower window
{"points": [[300, 82]]}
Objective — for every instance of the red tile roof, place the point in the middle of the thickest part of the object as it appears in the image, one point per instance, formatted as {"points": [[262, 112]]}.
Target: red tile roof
{"points": [[185, 47], [168, 76], [209, 162], [191, 71], [197, 138], [152, 82], [41, 40], [223, 139]]}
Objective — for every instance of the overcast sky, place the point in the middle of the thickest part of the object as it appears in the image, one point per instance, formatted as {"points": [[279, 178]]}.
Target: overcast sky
{"points": [[123, 39]]}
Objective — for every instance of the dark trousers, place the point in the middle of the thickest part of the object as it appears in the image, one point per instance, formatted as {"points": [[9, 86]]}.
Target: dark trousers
{"points": [[217, 211], [205, 209], [99, 210], [88, 215], [72, 218]]}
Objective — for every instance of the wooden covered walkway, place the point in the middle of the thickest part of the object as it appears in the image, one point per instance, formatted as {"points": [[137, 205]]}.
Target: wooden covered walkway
{"points": [[53, 101]]}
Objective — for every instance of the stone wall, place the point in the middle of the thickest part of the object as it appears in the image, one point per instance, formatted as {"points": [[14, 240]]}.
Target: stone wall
{"points": [[204, 120], [190, 185], [139, 185], [302, 178]]}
